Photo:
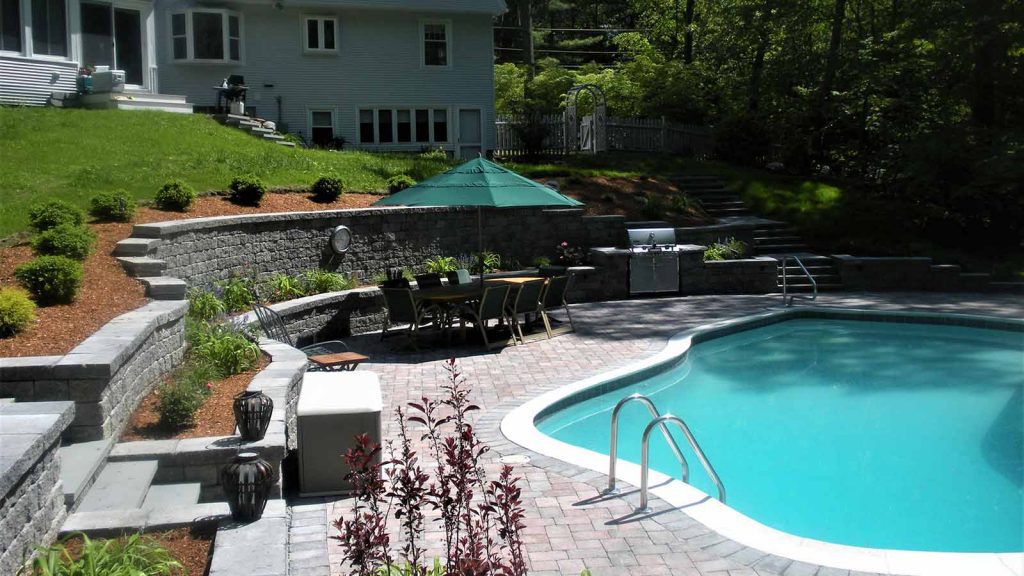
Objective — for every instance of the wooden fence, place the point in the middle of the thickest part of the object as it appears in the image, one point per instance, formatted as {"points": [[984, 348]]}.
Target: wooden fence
{"points": [[623, 134]]}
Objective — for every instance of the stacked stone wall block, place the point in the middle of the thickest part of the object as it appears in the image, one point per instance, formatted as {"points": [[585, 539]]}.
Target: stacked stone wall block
{"points": [[31, 514]]}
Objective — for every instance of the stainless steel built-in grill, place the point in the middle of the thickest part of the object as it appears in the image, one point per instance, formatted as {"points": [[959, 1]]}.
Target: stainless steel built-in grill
{"points": [[654, 260]]}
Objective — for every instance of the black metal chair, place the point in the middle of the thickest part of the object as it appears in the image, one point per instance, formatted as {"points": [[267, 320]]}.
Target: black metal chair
{"points": [[429, 280], [527, 301], [402, 309], [274, 327], [490, 307], [554, 298]]}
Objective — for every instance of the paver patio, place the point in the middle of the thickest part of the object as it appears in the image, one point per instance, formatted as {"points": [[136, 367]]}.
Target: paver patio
{"points": [[570, 526]]}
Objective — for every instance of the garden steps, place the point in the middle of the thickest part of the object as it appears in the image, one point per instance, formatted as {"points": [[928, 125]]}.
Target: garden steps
{"points": [[79, 465], [136, 246], [119, 486], [164, 287], [253, 126], [139, 266], [171, 495]]}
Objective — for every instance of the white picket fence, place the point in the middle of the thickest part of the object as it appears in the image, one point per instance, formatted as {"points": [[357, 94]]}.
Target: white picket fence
{"points": [[623, 134]]}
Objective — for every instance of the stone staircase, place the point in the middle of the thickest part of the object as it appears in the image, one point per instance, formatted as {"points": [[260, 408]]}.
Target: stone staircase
{"points": [[254, 126], [135, 255], [714, 197]]}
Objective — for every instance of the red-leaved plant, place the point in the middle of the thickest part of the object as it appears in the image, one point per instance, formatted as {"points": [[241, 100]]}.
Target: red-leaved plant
{"points": [[482, 520]]}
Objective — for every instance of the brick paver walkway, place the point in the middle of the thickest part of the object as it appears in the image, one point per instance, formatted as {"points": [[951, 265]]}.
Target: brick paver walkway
{"points": [[570, 526]]}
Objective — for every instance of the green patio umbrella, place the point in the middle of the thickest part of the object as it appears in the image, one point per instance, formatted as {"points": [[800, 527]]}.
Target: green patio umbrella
{"points": [[478, 183]]}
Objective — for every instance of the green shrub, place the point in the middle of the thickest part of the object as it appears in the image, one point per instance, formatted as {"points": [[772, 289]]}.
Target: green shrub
{"points": [[729, 249], [683, 203], [441, 264], [321, 281], [399, 183], [175, 196], [177, 404], [204, 305], [112, 206], [541, 261], [135, 555], [438, 153], [51, 279], [651, 208], [74, 241], [246, 190], [53, 213], [226, 348], [491, 262], [283, 287], [236, 293], [17, 311], [326, 189]]}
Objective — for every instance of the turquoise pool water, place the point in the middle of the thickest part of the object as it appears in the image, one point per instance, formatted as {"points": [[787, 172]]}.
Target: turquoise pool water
{"points": [[884, 435]]}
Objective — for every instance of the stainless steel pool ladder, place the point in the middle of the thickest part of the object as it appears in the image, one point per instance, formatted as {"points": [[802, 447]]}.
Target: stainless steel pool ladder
{"points": [[785, 287], [659, 421]]}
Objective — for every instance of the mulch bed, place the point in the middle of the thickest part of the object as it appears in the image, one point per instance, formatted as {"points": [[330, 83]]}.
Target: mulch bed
{"points": [[191, 546], [272, 202], [604, 196], [214, 418]]}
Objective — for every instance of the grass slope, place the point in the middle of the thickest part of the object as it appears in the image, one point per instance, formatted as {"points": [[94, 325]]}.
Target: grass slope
{"points": [[74, 154]]}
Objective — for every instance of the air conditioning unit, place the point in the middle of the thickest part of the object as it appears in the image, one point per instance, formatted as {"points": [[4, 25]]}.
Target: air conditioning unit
{"points": [[107, 81]]}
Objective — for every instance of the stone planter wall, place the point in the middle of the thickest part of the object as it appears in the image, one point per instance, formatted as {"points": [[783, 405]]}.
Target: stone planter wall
{"points": [[31, 498], [757, 275], [204, 250], [108, 373]]}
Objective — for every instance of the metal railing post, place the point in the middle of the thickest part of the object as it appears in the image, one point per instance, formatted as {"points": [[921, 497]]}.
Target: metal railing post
{"points": [[613, 449], [645, 453]]}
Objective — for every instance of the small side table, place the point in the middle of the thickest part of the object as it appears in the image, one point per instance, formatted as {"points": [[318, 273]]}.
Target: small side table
{"points": [[339, 361]]}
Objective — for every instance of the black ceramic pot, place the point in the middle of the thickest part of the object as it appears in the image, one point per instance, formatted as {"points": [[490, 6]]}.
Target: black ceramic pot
{"points": [[252, 414], [247, 481]]}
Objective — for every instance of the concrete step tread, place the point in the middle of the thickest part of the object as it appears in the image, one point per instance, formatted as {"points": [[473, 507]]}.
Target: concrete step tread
{"points": [[273, 136], [120, 486], [135, 246], [171, 495], [142, 265], [164, 287], [285, 143], [79, 465]]}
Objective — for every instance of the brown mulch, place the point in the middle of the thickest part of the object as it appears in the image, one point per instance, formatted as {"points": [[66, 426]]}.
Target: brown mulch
{"points": [[192, 546], [272, 202], [214, 418], [106, 292], [620, 196]]}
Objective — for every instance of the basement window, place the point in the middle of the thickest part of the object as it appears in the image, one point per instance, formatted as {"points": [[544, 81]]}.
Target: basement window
{"points": [[403, 125]]}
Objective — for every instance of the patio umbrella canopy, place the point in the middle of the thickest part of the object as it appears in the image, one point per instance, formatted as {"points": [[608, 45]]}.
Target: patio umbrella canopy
{"points": [[479, 183]]}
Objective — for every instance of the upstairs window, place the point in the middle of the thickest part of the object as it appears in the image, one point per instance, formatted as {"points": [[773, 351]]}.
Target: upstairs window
{"points": [[10, 26], [49, 28], [435, 38], [321, 34], [206, 35]]}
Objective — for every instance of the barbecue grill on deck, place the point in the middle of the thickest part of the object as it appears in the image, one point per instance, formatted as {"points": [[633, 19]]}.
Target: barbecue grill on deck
{"points": [[653, 261]]}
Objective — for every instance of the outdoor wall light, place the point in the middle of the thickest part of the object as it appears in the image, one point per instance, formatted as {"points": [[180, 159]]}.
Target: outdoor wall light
{"points": [[341, 239]]}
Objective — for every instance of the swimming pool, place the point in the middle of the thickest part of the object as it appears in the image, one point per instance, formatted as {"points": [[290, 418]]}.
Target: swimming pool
{"points": [[882, 435]]}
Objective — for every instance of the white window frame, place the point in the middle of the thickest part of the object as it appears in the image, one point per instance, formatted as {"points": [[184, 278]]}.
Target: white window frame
{"points": [[28, 42], [319, 19], [22, 26], [225, 16], [448, 40], [412, 126], [334, 121]]}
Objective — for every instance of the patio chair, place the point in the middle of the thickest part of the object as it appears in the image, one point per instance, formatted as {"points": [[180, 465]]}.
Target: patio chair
{"points": [[402, 309], [273, 326], [554, 298], [459, 277], [431, 280], [527, 301], [490, 307]]}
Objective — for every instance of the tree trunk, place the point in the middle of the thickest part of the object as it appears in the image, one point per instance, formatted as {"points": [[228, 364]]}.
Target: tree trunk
{"points": [[688, 32], [526, 21]]}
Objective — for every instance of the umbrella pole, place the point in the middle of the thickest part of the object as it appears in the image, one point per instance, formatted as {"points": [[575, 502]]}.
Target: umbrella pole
{"points": [[480, 239]]}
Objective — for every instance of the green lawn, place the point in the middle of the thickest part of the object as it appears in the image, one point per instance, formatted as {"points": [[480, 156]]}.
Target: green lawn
{"points": [[73, 154]]}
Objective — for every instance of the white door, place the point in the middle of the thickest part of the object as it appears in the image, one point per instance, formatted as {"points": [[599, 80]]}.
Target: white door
{"points": [[471, 142], [113, 34]]}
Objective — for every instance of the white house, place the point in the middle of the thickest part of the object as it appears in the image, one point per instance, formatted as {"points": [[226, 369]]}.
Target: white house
{"points": [[382, 74]]}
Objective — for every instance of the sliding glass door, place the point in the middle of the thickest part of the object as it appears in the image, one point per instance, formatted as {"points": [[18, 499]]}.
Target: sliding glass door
{"points": [[112, 36]]}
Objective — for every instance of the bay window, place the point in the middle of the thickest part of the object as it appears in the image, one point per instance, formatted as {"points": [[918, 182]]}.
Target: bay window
{"points": [[206, 35]]}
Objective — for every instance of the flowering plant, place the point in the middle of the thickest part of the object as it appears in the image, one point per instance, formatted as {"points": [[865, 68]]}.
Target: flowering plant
{"points": [[569, 255]]}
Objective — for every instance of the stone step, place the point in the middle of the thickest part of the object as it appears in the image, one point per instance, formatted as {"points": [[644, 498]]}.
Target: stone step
{"points": [[781, 248], [171, 495], [258, 130], [164, 287], [806, 287], [120, 486], [139, 266], [787, 239], [138, 95], [285, 143], [79, 465], [272, 136], [167, 106], [136, 246], [116, 522]]}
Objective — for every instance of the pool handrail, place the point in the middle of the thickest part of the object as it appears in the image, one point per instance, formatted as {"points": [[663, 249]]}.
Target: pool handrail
{"points": [[785, 280], [644, 454], [614, 448]]}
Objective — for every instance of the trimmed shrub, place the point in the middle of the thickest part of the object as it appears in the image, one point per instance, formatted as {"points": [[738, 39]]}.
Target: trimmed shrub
{"points": [[112, 206], [51, 279], [69, 240], [17, 311], [204, 305], [175, 196], [177, 404], [326, 189], [53, 213], [247, 190], [319, 281], [399, 183]]}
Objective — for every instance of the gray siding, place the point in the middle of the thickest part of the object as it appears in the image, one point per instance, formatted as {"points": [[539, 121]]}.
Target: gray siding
{"points": [[377, 65], [29, 81]]}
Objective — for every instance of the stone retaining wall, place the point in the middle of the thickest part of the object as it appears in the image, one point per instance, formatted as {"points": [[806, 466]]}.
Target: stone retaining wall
{"points": [[31, 497], [108, 373], [204, 250], [757, 275]]}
